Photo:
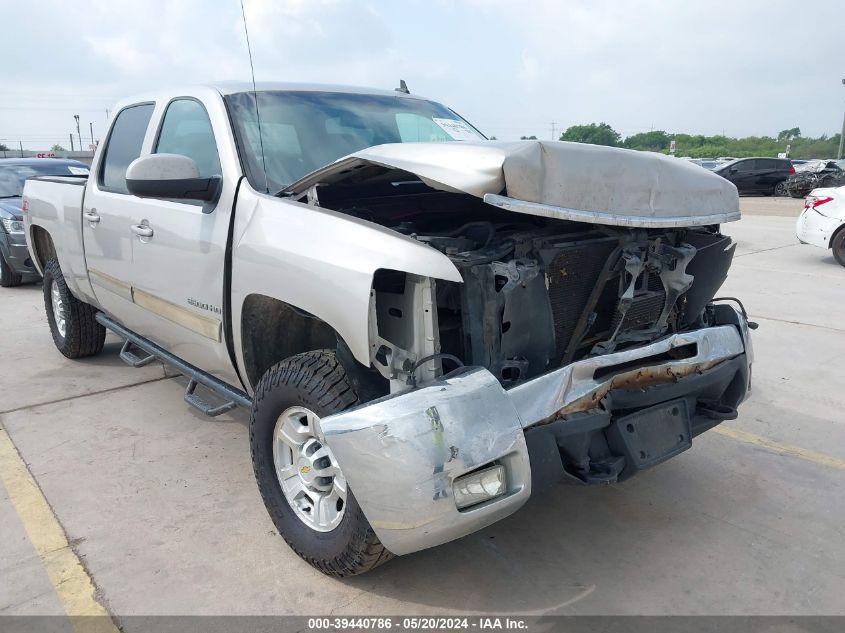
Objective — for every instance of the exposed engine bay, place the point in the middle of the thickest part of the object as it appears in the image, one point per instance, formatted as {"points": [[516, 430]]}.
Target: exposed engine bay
{"points": [[537, 293]]}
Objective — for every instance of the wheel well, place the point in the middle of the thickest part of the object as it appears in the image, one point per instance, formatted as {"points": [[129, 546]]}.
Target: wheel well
{"points": [[272, 330], [834, 234], [42, 246]]}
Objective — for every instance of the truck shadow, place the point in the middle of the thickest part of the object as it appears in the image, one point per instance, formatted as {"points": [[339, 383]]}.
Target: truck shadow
{"points": [[562, 553], [553, 552], [570, 549]]}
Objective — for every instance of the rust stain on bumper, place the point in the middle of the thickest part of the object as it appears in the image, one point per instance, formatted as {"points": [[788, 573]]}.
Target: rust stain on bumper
{"points": [[640, 378]]}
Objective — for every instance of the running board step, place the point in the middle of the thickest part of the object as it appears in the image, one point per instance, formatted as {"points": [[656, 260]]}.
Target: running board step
{"points": [[231, 396], [131, 358], [198, 403]]}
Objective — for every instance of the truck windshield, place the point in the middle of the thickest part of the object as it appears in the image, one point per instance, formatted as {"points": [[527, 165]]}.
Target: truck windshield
{"points": [[13, 177], [303, 131]]}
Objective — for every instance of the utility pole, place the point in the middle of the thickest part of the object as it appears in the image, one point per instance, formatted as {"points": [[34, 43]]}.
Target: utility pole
{"points": [[21, 146], [841, 136], [841, 140], [78, 133], [71, 142], [554, 123], [91, 127]]}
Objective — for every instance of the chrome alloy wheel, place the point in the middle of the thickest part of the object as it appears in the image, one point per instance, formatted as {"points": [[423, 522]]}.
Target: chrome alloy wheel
{"points": [[307, 471], [58, 309]]}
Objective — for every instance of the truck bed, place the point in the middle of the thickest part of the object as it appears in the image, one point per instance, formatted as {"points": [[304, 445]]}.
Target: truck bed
{"points": [[54, 203]]}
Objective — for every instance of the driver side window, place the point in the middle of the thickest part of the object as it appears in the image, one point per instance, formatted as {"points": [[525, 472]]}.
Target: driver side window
{"points": [[186, 130]]}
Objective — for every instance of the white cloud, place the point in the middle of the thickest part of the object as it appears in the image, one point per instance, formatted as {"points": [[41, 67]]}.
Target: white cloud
{"points": [[511, 65], [161, 40], [122, 51], [530, 69], [695, 66]]}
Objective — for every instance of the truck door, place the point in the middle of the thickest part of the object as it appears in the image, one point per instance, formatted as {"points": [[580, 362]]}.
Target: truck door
{"points": [[106, 213], [179, 246]]}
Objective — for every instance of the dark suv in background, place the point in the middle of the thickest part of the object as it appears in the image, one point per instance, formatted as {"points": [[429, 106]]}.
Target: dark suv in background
{"points": [[758, 175]]}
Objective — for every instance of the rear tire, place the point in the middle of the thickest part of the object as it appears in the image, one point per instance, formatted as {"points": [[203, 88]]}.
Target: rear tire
{"points": [[838, 246], [316, 384], [780, 188], [8, 277], [73, 323]]}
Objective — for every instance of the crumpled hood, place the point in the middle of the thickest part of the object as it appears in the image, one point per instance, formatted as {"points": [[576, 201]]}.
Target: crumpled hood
{"points": [[11, 208], [573, 181]]}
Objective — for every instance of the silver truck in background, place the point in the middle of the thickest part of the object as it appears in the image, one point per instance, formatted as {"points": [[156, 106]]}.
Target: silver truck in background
{"points": [[428, 327]]}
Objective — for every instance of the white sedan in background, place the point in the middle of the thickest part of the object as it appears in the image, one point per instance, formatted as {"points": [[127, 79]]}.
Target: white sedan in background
{"points": [[822, 223]]}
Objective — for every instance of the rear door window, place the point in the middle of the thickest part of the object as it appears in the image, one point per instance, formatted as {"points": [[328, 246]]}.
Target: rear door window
{"points": [[186, 130], [124, 146], [746, 165]]}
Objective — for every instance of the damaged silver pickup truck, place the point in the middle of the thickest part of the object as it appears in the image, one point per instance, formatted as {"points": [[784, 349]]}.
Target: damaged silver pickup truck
{"points": [[429, 327]]}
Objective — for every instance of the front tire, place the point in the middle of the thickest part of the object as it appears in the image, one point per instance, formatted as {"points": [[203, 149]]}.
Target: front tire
{"points": [[8, 277], [838, 246], [73, 323], [780, 188], [300, 482]]}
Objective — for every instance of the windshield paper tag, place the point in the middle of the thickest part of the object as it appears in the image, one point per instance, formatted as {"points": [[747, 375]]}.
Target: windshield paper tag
{"points": [[458, 130]]}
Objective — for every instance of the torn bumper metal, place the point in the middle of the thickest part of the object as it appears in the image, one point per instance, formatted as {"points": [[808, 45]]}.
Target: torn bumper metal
{"points": [[402, 454], [583, 385]]}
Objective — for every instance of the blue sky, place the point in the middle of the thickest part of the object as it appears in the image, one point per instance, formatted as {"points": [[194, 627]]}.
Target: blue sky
{"points": [[738, 67]]}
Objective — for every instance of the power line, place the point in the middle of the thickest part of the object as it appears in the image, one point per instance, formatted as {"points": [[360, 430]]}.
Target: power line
{"points": [[54, 94], [48, 109]]}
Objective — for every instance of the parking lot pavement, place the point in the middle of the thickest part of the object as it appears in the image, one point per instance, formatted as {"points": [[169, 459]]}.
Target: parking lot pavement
{"points": [[161, 506], [26, 588], [35, 373], [766, 205]]}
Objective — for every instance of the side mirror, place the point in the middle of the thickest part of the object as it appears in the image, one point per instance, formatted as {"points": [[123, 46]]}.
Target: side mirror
{"points": [[734, 170], [170, 176]]}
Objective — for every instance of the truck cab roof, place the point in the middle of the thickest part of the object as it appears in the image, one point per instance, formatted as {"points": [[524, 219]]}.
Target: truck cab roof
{"points": [[233, 87]]}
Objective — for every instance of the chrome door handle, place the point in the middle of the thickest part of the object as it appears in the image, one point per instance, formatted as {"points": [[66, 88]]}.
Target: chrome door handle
{"points": [[142, 230], [92, 216]]}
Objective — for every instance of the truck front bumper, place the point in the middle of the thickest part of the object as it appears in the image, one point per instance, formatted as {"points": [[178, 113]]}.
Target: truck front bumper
{"points": [[16, 254], [632, 409]]}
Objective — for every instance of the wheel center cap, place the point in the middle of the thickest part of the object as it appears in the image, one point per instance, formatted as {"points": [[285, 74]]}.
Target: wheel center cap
{"points": [[306, 470]]}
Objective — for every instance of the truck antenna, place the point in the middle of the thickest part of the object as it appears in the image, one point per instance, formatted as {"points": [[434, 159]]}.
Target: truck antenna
{"points": [[255, 97]]}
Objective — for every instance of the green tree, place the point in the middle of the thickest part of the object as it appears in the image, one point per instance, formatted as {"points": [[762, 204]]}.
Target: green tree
{"points": [[698, 146], [654, 141], [596, 134], [3, 147], [57, 148], [790, 134], [528, 138]]}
